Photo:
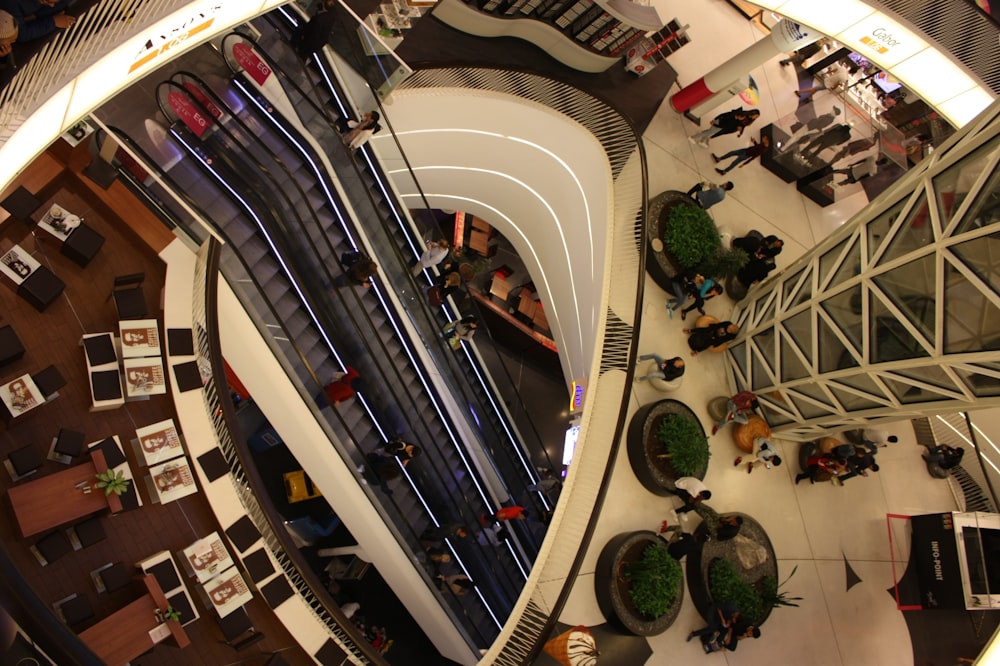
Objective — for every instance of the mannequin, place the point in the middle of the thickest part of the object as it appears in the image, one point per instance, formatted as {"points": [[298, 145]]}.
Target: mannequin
{"points": [[811, 128], [827, 139]]}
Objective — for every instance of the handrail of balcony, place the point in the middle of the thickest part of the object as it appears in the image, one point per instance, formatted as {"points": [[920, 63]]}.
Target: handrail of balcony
{"points": [[604, 418], [246, 480]]}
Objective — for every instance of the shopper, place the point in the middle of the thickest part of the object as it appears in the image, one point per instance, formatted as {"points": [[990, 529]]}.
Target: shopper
{"points": [[436, 252], [358, 269], [312, 35], [343, 386], [759, 248], [707, 193], [705, 337], [667, 369], [820, 464], [692, 492], [459, 584], [720, 620], [743, 156], [946, 457], [738, 408], [439, 533], [506, 513], [695, 287], [38, 18], [360, 131], [461, 329], [729, 122], [767, 453], [8, 35]]}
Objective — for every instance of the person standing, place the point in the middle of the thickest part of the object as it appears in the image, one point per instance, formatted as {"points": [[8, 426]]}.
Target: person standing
{"points": [[858, 171], [461, 329], [743, 156], [707, 193], [504, 514], [342, 387], [692, 492], [313, 35], [38, 18], [436, 252]]}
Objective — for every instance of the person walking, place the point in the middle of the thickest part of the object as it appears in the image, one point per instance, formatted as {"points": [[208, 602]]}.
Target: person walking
{"points": [[743, 156], [729, 122], [707, 193], [692, 492]]}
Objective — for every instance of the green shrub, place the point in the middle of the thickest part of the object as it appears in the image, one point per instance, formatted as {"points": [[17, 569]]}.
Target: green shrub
{"points": [[724, 264], [685, 443], [690, 235], [772, 597], [654, 580], [727, 586]]}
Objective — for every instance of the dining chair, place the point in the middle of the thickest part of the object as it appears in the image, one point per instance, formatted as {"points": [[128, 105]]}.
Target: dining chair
{"points": [[130, 301], [86, 533], [74, 609], [50, 548], [23, 462], [66, 446]]}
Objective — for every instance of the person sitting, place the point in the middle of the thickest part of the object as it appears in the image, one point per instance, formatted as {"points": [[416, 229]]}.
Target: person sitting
{"points": [[738, 408], [759, 248], [819, 464], [667, 369], [692, 492], [766, 453], [717, 632], [755, 270], [701, 338], [37, 18], [728, 527], [946, 457]]}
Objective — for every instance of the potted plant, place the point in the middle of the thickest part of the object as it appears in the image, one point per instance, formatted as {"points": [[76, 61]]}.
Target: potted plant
{"points": [[639, 586], [113, 482], [684, 444], [666, 441], [690, 235], [724, 264], [172, 614]]}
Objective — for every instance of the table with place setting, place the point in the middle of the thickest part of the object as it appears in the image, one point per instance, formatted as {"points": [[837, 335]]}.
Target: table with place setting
{"points": [[78, 241]]}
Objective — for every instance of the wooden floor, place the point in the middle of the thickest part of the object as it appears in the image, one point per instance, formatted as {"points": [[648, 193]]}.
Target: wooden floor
{"points": [[53, 337]]}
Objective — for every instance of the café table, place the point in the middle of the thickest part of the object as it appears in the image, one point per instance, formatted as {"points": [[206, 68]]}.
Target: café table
{"points": [[18, 264], [60, 498], [171, 481], [143, 377], [135, 629], [140, 337], [59, 222], [206, 557], [158, 442], [20, 395], [227, 591]]}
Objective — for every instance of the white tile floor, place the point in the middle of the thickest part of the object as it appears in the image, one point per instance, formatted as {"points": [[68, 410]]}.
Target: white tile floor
{"points": [[813, 527]]}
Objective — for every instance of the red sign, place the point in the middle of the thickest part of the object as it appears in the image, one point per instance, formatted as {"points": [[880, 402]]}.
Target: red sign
{"points": [[251, 62], [203, 100], [196, 122]]}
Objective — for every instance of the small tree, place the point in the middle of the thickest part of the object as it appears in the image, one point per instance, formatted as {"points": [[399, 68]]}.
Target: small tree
{"points": [[690, 235], [654, 581], [685, 444]]}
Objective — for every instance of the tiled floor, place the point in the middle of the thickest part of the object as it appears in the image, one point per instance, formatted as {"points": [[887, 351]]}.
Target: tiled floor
{"points": [[812, 527]]}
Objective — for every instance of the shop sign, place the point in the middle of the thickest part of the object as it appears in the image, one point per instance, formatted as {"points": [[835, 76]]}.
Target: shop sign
{"points": [[935, 554]]}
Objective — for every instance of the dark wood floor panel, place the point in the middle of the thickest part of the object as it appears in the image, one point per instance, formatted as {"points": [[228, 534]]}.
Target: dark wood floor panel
{"points": [[53, 337]]}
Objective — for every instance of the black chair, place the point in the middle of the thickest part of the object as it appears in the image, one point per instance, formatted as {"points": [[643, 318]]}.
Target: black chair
{"points": [[21, 204], [130, 301], [87, 533], [276, 660], [255, 637], [50, 548], [66, 446], [111, 577], [74, 610], [49, 381], [11, 348], [22, 462], [234, 625]]}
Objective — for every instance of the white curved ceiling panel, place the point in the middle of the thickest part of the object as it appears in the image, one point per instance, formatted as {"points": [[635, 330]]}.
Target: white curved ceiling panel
{"points": [[540, 178]]}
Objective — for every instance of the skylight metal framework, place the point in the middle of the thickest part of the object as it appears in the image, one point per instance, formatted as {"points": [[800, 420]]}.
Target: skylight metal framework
{"points": [[895, 315]]}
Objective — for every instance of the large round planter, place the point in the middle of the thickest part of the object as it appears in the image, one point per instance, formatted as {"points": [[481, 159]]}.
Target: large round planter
{"points": [[661, 264], [655, 474], [612, 589], [699, 561]]}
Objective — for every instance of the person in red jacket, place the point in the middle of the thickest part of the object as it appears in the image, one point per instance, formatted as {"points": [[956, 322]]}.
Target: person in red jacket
{"points": [[506, 513], [342, 387], [739, 408], [818, 464]]}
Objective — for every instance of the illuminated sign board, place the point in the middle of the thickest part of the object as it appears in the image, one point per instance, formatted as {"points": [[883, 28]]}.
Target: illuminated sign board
{"points": [[577, 393]]}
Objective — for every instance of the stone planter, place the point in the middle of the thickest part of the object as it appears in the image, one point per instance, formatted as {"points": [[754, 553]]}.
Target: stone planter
{"points": [[699, 561], [660, 264], [656, 474], [612, 588]]}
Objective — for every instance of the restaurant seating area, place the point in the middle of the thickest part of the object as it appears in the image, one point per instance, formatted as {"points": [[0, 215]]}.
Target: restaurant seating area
{"points": [[79, 549]]}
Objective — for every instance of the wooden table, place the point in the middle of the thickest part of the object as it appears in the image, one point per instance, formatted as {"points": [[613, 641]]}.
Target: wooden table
{"points": [[125, 634], [56, 499]]}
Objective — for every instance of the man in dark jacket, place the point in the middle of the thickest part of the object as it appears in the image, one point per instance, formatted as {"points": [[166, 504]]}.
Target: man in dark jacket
{"points": [[313, 35]]}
